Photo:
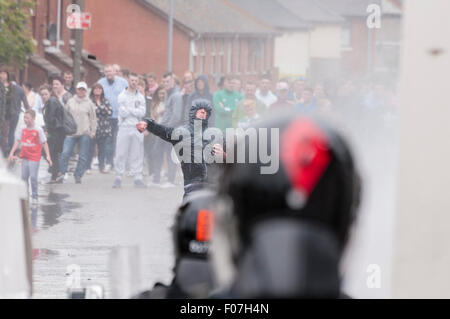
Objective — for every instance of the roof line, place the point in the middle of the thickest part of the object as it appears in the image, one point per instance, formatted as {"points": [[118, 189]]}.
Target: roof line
{"points": [[324, 8], [260, 21], [165, 16], [245, 13], [339, 17], [396, 3]]}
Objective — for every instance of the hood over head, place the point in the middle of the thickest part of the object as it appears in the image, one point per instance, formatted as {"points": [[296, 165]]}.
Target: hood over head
{"points": [[198, 104], [205, 80]]}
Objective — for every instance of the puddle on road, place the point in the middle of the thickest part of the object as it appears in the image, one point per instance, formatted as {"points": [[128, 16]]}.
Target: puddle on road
{"points": [[51, 211]]}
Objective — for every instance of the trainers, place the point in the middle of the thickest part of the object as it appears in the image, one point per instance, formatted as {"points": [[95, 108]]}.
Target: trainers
{"points": [[77, 180], [89, 172], [107, 168], [139, 183], [34, 200], [60, 178], [168, 185], [117, 183], [153, 184]]}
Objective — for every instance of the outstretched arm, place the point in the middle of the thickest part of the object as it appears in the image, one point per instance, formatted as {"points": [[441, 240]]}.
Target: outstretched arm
{"points": [[159, 130]]}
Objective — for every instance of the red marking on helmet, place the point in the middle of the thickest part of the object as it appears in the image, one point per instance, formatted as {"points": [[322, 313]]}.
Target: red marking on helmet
{"points": [[305, 154], [205, 222]]}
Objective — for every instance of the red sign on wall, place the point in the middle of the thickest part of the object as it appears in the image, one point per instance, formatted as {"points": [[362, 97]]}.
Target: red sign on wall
{"points": [[79, 21]]}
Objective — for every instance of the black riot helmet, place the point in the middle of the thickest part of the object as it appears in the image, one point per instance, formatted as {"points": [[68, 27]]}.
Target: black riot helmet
{"points": [[193, 226], [316, 180]]}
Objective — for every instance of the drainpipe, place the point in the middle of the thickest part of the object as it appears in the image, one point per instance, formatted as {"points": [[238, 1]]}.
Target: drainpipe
{"points": [[58, 26], [169, 58]]}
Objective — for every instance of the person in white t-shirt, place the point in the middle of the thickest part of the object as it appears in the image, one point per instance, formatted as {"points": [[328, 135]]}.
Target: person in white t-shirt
{"points": [[264, 94]]}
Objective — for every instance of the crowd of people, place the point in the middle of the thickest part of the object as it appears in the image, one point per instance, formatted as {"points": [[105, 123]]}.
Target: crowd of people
{"points": [[107, 113]]}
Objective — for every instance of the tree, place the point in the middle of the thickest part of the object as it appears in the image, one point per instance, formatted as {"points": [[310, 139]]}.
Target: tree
{"points": [[16, 42]]}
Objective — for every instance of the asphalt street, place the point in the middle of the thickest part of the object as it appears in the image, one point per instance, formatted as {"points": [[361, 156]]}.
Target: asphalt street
{"points": [[76, 226]]}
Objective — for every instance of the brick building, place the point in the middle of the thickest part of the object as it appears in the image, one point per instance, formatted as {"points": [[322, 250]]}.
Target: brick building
{"points": [[215, 37], [210, 37], [48, 58], [366, 50], [329, 38]]}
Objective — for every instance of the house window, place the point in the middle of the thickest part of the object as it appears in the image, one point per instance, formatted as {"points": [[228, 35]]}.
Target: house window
{"points": [[263, 56], [238, 56], [202, 55], [255, 54], [220, 56], [346, 37], [230, 55], [213, 56], [193, 58]]}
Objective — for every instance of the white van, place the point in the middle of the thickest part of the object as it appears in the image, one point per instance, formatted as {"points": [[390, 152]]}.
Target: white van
{"points": [[15, 237]]}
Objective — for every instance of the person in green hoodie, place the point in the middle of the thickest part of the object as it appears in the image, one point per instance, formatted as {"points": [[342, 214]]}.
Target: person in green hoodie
{"points": [[224, 104]]}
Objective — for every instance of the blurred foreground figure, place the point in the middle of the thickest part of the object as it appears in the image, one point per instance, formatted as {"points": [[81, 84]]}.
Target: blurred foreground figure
{"points": [[282, 235], [192, 232]]}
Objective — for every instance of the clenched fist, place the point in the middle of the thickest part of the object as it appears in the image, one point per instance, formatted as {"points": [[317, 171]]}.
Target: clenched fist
{"points": [[141, 126]]}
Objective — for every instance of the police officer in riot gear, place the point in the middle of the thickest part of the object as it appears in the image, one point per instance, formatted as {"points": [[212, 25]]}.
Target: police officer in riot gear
{"points": [[192, 231], [282, 235]]}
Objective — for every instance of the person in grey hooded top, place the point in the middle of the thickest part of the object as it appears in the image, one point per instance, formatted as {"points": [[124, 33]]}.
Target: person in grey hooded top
{"points": [[130, 144], [201, 92]]}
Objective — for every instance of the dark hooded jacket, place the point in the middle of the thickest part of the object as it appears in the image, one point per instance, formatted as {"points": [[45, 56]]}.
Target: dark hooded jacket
{"points": [[194, 170], [14, 102], [54, 116], [2, 104], [197, 94]]}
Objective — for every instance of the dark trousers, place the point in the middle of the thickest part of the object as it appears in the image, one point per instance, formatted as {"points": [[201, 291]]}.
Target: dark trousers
{"points": [[193, 187], [84, 145], [101, 143], [2, 135], [161, 150], [55, 145], [110, 148], [11, 131]]}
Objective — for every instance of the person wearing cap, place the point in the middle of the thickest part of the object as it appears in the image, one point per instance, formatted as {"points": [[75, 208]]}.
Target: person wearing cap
{"points": [[83, 112], [282, 94]]}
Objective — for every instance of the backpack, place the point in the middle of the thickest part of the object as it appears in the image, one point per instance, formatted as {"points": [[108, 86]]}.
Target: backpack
{"points": [[69, 124]]}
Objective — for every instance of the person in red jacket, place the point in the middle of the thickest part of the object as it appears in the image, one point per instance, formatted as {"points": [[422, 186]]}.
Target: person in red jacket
{"points": [[32, 139]]}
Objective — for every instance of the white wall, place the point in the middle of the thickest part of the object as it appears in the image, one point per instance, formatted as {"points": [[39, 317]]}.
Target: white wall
{"points": [[422, 243], [326, 41], [292, 53]]}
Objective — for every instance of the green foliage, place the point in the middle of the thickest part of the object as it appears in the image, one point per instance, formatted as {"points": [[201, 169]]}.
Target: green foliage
{"points": [[15, 36]]}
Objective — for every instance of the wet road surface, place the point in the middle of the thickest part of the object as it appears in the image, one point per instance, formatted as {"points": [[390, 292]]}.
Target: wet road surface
{"points": [[78, 225]]}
